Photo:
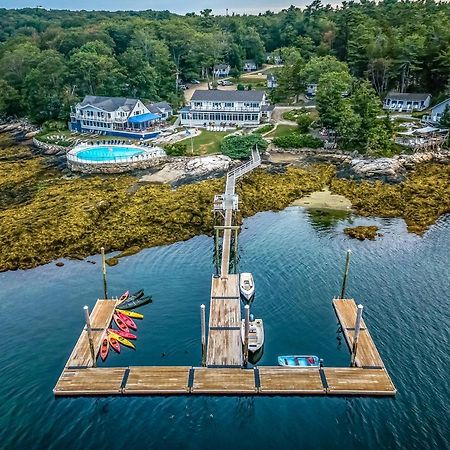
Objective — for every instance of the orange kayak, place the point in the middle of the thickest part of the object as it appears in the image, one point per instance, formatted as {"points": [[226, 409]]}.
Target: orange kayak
{"points": [[104, 349], [120, 323], [113, 342]]}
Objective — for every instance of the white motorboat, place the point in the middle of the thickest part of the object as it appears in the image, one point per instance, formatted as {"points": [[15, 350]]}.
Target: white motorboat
{"points": [[255, 334], [247, 285]]}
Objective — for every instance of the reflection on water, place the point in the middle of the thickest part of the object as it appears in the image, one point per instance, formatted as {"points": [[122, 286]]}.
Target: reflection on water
{"points": [[324, 219], [401, 279]]}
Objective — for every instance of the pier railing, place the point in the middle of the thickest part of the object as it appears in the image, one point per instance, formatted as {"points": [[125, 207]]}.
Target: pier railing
{"points": [[241, 170]]}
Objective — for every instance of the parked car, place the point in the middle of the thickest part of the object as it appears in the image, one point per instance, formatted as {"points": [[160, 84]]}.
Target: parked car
{"points": [[195, 82], [224, 83], [183, 87]]}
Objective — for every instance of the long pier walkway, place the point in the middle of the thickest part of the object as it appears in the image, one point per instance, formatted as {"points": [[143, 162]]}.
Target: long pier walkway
{"points": [[224, 334]]}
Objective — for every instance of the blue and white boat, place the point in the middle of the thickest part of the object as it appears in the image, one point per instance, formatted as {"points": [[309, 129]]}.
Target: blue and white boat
{"points": [[299, 361]]}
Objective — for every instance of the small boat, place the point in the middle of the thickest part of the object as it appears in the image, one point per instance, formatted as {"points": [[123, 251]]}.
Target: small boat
{"points": [[247, 286], [113, 343], [125, 334], [122, 340], [128, 321], [104, 349], [299, 361], [120, 323], [137, 294], [255, 334], [133, 314], [124, 296], [130, 304]]}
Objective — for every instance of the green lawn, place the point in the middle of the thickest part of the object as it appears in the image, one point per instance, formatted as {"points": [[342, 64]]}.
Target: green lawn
{"points": [[282, 130], [206, 143]]}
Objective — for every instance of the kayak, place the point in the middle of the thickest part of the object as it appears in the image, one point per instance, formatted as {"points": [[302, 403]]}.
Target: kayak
{"points": [[124, 296], [113, 342], [130, 304], [133, 314], [104, 349], [299, 361], [125, 334], [122, 340], [128, 321], [120, 323], [136, 295]]}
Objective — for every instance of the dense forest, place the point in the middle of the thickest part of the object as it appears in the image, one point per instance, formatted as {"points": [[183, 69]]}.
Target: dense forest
{"points": [[49, 59]]}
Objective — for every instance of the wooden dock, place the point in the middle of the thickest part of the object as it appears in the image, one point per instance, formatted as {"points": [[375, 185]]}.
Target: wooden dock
{"points": [[224, 372], [184, 380]]}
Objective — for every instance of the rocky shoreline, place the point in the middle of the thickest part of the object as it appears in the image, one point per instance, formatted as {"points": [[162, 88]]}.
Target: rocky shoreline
{"points": [[47, 213]]}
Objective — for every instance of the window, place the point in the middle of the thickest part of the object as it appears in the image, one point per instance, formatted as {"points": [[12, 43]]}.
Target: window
{"points": [[229, 105]]}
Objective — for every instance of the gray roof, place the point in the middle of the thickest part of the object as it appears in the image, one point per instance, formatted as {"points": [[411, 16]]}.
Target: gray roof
{"points": [[109, 104], [221, 66], [157, 107], [441, 103], [271, 77], [408, 96], [227, 96]]}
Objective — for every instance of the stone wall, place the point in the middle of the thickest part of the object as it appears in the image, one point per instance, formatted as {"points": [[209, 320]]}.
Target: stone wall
{"points": [[50, 149], [116, 167]]}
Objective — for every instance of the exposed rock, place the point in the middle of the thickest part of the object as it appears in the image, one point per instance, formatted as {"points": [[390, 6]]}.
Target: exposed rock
{"points": [[59, 264], [362, 232], [185, 170]]}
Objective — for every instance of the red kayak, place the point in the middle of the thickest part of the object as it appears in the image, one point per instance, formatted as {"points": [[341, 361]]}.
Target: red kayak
{"points": [[120, 323], [127, 320], [125, 334], [114, 344], [104, 349], [124, 296]]}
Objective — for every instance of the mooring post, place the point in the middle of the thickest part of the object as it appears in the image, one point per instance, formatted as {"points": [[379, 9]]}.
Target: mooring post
{"points": [[247, 328], [359, 312], [203, 322], [344, 281], [217, 248], [105, 286], [235, 249], [89, 333]]}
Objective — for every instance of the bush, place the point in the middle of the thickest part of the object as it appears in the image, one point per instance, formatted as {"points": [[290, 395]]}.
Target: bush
{"points": [[240, 87], [239, 147], [295, 140], [264, 129], [304, 121], [176, 149]]}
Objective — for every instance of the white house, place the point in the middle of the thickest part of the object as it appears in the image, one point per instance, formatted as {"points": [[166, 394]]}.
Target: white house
{"points": [[273, 58], [249, 65], [272, 81], [437, 112], [311, 89], [221, 70], [117, 116], [407, 102], [161, 108], [225, 108]]}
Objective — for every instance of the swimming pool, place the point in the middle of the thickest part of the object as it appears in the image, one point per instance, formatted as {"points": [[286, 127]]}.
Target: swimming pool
{"points": [[108, 153]]}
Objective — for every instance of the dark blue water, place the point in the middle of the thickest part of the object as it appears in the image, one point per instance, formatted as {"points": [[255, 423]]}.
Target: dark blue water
{"points": [[297, 260]]}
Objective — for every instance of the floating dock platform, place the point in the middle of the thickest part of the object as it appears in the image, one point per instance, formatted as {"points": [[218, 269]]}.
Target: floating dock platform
{"points": [[224, 371]]}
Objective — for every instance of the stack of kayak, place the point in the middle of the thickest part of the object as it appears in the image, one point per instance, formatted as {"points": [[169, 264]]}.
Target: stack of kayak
{"points": [[123, 319]]}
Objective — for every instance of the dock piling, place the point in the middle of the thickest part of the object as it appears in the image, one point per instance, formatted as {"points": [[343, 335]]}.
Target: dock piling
{"points": [[105, 286], [359, 312], [247, 328], [203, 322], [89, 333], [344, 281]]}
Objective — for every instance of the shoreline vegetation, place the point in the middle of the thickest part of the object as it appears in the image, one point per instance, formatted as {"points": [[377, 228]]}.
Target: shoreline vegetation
{"points": [[45, 215]]}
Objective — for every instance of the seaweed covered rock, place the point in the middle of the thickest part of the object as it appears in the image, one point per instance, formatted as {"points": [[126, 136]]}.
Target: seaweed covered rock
{"points": [[362, 232]]}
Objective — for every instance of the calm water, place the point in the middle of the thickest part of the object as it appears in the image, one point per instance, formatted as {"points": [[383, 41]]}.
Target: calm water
{"points": [[297, 260]]}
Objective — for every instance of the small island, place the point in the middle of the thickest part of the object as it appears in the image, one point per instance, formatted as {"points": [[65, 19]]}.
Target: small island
{"points": [[362, 232]]}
